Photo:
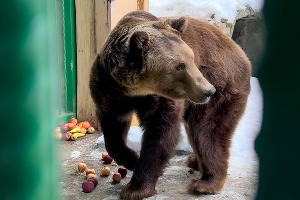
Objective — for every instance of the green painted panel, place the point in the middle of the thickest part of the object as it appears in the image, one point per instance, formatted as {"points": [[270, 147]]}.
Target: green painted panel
{"points": [[28, 88], [69, 30]]}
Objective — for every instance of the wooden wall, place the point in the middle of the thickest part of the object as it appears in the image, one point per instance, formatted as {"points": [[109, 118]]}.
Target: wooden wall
{"points": [[92, 27], [94, 19]]}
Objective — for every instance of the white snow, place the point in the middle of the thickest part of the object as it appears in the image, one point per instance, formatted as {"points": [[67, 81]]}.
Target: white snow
{"points": [[202, 9], [75, 154]]}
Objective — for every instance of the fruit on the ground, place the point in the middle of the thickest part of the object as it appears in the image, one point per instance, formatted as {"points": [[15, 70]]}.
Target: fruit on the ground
{"points": [[107, 159], [73, 121], [104, 154], [65, 128], [80, 124], [105, 171], [91, 130], [82, 130], [88, 186], [71, 126], [67, 136], [76, 129], [90, 171], [59, 136], [89, 176], [117, 177], [122, 171], [74, 136], [114, 164], [86, 124], [58, 130], [81, 167], [94, 180]]}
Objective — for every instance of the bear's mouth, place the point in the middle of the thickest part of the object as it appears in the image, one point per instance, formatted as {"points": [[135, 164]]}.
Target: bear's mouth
{"points": [[202, 100]]}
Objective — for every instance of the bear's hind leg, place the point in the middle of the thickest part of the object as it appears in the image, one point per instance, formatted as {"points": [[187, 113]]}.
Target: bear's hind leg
{"points": [[210, 129]]}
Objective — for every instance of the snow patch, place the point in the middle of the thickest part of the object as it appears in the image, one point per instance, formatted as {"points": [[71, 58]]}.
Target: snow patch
{"points": [[100, 140], [75, 154], [96, 154], [203, 9]]}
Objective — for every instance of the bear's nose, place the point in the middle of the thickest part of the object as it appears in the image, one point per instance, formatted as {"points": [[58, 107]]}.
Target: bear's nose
{"points": [[210, 92]]}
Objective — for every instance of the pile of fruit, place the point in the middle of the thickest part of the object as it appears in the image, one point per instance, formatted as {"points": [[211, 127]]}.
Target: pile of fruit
{"points": [[92, 180], [73, 130]]}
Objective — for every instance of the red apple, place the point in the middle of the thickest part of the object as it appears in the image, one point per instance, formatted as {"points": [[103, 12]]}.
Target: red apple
{"points": [[107, 159], [81, 167], [82, 130], [94, 180], [88, 186], [65, 128], [73, 120], [122, 171], [71, 126], [90, 171], [117, 177], [104, 154], [86, 125], [67, 136]]}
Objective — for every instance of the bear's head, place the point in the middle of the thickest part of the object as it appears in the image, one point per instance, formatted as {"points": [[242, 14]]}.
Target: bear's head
{"points": [[153, 59]]}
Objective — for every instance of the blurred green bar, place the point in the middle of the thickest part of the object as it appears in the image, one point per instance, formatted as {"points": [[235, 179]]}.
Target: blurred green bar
{"points": [[278, 143], [28, 94]]}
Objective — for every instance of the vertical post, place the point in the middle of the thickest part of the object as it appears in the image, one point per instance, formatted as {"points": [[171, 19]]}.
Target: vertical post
{"points": [[278, 142], [92, 27], [28, 65]]}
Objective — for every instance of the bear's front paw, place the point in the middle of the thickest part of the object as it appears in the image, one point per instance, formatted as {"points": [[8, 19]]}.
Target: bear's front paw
{"points": [[134, 193], [204, 186]]}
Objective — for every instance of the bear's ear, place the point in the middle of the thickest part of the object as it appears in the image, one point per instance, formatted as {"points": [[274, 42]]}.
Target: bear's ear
{"points": [[139, 40], [179, 24]]}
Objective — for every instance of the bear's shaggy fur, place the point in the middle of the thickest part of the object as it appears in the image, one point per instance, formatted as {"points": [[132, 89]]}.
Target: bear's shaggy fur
{"points": [[169, 70]]}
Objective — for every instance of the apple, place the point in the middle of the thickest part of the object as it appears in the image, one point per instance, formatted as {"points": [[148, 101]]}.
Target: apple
{"points": [[71, 126], [105, 171], [65, 128], [82, 130], [122, 171], [73, 121], [107, 159], [67, 136], [88, 186], [91, 130], [117, 177], [90, 171], [59, 136], [104, 154], [89, 176], [80, 124], [86, 125], [58, 130], [81, 167], [94, 180]]}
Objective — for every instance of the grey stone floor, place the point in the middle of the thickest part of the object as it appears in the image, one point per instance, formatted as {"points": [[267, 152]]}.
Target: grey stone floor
{"points": [[241, 183]]}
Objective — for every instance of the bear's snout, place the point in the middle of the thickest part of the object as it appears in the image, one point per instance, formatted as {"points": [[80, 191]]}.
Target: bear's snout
{"points": [[210, 92]]}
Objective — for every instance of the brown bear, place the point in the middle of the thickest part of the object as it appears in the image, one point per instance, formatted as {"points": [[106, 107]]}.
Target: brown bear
{"points": [[170, 70]]}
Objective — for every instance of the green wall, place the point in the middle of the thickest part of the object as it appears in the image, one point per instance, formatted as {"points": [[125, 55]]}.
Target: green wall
{"points": [[28, 89]]}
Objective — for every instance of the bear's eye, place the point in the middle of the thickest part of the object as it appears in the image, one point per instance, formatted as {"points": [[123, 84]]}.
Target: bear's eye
{"points": [[180, 67]]}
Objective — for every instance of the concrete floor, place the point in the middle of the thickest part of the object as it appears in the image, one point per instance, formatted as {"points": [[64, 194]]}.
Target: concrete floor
{"points": [[241, 183]]}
